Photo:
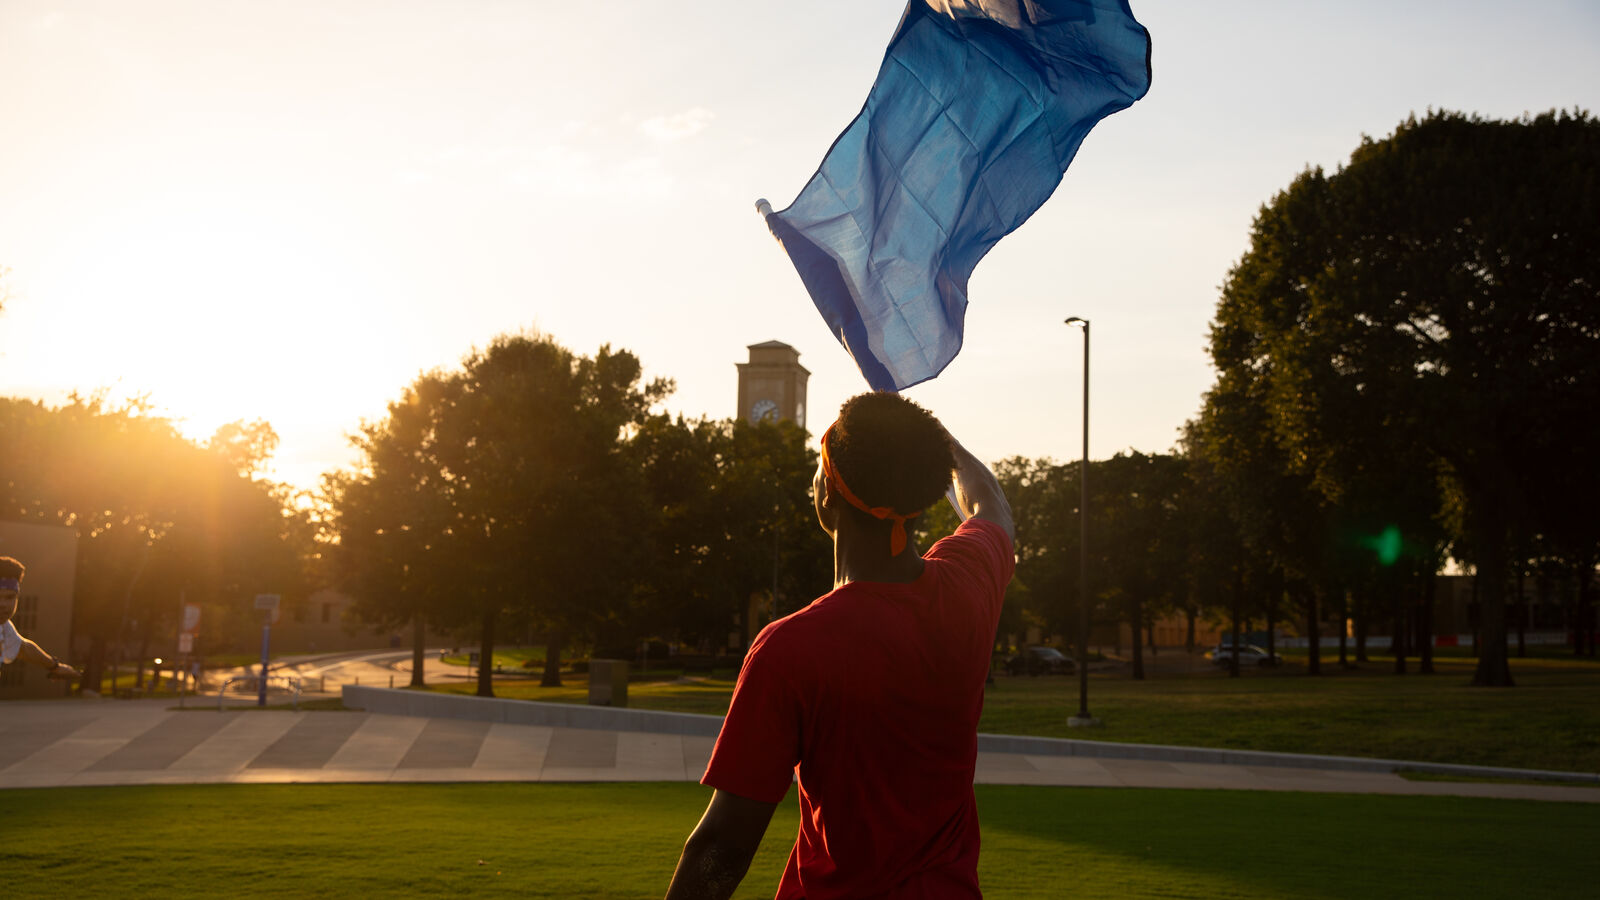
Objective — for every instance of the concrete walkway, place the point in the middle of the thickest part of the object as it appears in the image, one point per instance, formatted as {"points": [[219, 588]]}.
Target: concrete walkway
{"points": [[107, 742]]}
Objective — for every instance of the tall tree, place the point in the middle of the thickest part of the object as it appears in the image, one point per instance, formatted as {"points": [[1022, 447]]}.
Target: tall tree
{"points": [[159, 518], [1216, 552], [246, 445], [735, 521], [1045, 499], [508, 482], [1137, 545], [1282, 521], [1438, 293], [1136, 541], [1247, 503], [391, 540]]}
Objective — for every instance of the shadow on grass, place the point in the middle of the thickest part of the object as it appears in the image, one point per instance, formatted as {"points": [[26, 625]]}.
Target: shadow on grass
{"points": [[1120, 842], [621, 841]]}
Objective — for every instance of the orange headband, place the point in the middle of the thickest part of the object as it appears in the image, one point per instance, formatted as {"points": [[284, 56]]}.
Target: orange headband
{"points": [[897, 534]]}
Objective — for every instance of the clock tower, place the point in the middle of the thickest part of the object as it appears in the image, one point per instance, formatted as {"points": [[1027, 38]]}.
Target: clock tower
{"points": [[772, 385]]}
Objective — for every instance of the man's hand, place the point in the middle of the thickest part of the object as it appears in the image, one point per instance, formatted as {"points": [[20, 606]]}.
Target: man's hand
{"points": [[978, 492], [719, 851], [63, 672]]}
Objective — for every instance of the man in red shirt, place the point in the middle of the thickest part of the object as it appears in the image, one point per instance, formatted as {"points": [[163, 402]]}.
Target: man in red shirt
{"points": [[871, 694]]}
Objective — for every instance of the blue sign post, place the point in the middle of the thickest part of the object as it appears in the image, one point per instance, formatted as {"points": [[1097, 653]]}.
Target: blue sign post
{"points": [[266, 632], [268, 604]]}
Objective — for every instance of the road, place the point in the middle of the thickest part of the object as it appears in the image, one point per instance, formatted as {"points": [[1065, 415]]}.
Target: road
{"points": [[325, 674]]}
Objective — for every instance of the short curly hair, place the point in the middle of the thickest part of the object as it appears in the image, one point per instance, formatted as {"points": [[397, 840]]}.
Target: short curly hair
{"points": [[11, 568], [891, 452]]}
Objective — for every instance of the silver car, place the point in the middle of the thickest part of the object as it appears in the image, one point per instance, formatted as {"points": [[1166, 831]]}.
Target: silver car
{"points": [[1249, 654]]}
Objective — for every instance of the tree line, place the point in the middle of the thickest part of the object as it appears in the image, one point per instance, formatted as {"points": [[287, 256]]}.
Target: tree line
{"points": [[530, 490], [1408, 371], [161, 520], [1408, 362], [1408, 367]]}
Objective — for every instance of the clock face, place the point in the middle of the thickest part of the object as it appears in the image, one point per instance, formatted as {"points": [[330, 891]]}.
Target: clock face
{"points": [[764, 411]]}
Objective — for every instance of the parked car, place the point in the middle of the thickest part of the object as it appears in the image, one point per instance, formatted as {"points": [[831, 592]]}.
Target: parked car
{"points": [[1040, 661], [1249, 654]]}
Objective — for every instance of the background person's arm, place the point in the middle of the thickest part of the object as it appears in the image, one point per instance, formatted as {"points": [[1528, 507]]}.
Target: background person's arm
{"points": [[978, 493], [32, 652], [718, 852]]}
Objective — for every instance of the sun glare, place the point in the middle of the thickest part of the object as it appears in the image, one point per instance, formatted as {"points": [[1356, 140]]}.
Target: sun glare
{"points": [[213, 311]]}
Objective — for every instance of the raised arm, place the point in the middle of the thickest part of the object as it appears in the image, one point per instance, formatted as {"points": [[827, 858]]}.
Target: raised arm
{"points": [[978, 492]]}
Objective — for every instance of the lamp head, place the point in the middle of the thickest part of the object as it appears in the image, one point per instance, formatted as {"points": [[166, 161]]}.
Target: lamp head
{"points": [[1078, 320]]}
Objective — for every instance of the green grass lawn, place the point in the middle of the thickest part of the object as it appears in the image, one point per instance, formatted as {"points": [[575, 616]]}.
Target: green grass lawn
{"points": [[621, 841], [504, 657], [1546, 722]]}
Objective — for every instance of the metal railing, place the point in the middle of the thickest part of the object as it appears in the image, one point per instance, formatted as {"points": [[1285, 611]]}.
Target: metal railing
{"points": [[291, 685]]}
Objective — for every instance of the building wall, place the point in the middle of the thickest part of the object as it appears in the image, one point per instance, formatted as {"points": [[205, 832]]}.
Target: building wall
{"points": [[44, 609]]}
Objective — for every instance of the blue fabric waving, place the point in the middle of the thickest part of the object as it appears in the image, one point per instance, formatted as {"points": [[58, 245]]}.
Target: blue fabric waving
{"points": [[979, 107]]}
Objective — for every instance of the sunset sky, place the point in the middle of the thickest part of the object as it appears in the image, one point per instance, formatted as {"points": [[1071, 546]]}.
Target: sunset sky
{"points": [[287, 210]]}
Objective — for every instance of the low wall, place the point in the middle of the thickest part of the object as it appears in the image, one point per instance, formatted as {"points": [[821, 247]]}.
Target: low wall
{"points": [[572, 715], [527, 712], [1381, 641]]}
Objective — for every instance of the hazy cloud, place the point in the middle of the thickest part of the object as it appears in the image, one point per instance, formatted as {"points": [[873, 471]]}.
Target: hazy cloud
{"points": [[677, 126], [562, 171]]}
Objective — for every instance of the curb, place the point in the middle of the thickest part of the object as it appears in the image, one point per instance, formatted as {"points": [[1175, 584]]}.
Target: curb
{"points": [[1040, 746]]}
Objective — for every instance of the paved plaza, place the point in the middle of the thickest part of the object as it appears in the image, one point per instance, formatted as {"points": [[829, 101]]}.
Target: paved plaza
{"points": [[110, 742]]}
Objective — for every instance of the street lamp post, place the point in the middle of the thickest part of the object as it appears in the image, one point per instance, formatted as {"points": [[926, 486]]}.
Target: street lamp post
{"points": [[1083, 719]]}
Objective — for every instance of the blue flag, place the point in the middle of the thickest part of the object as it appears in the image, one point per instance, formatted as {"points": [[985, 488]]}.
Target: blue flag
{"points": [[979, 107]]}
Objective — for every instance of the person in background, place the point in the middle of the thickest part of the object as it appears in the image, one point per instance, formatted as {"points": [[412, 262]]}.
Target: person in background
{"points": [[13, 646]]}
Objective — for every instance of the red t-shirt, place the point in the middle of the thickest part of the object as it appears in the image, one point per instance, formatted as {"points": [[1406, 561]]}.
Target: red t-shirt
{"points": [[871, 695]]}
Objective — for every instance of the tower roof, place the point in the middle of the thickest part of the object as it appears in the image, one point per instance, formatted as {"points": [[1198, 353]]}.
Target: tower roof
{"points": [[773, 353]]}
